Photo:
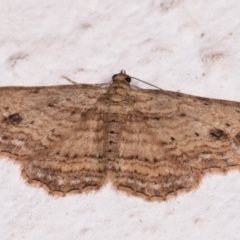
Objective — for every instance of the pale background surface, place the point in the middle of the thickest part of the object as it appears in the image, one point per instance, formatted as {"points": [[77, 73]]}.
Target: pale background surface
{"points": [[179, 45]]}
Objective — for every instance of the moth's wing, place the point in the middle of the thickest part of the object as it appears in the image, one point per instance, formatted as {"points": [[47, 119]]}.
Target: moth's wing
{"points": [[172, 140], [54, 133]]}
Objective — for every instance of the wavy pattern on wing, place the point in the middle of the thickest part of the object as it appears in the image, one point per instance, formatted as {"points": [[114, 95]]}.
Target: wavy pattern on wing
{"points": [[172, 140], [54, 132]]}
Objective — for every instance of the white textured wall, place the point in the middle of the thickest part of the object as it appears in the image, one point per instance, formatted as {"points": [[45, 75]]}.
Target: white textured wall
{"points": [[185, 45]]}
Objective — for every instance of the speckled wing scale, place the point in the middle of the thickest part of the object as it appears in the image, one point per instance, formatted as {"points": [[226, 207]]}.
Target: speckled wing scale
{"points": [[151, 143]]}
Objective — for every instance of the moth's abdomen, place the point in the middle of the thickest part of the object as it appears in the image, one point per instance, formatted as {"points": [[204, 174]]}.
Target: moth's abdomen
{"points": [[114, 123], [114, 118]]}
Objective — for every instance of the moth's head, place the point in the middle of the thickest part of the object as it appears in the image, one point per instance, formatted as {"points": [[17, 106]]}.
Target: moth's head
{"points": [[122, 76]]}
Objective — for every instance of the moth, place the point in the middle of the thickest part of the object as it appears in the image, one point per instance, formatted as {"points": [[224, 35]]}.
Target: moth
{"points": [[153, 144]]}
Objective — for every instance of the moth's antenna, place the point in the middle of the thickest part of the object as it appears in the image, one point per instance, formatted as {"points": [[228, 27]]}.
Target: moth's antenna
{"points": [[145, 82], [70, 80]]}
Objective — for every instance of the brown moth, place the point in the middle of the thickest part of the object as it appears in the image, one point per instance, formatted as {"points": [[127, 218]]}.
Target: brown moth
{"points": [[151, 143]]}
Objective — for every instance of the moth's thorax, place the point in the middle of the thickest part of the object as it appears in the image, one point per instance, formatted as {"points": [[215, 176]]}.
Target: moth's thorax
{"points": [[118, 90]]}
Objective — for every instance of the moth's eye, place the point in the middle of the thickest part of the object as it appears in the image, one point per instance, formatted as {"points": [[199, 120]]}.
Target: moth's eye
{"points": [[128, 79], [114, 76]]}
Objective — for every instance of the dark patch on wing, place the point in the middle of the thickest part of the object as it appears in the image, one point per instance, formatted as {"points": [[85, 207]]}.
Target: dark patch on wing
{"points": [[217, 134], [237, 137], [13, 119]]}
